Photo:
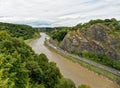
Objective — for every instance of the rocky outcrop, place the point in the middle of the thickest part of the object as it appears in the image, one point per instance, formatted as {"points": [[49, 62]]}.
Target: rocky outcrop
{"points": [[98, 38]]}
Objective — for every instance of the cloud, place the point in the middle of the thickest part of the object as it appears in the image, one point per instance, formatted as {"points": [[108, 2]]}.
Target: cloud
{"points": [[57, 12]]}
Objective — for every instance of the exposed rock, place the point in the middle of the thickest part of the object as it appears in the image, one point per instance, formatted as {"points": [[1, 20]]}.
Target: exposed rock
{"points": [[97, 39]]}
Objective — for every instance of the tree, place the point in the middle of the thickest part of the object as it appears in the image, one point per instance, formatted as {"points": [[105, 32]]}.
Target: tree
{"points": [[84, 86], [20, 67], [65, 83], [3, 82]]}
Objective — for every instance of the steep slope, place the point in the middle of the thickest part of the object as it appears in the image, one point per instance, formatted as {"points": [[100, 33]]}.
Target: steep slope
{"points": [[97, 38]]}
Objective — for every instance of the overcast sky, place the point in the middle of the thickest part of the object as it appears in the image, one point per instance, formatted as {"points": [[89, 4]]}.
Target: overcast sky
{"points": [[57, 12]]}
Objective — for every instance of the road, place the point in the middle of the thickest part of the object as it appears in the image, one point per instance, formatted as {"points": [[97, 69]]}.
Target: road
{"points": [[79, 74]]}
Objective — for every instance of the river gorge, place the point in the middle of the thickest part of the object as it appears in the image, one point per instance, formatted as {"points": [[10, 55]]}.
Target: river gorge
{"points": [[79, 74]]}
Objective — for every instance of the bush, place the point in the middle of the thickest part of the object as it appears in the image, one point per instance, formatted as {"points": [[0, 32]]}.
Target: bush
{"points": [[65, 83], [84, 86]]}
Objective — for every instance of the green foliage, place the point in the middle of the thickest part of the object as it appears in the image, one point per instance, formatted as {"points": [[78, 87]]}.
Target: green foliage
{"points": [[20, 67], [36, 85], [35, 72], [111, 23], [58, 33], [51, 72], [16, 30], [3, 82], [100, 58], [113, 34], [65, 83], [103, 59], [84, 86], [42, 57]]}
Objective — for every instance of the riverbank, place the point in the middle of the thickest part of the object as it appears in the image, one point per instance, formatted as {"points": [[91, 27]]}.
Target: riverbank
{"points": [[95, 69]]}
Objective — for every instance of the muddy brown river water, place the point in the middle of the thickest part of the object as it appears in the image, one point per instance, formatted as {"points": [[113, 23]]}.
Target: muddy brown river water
{"points": [[79, 74]]}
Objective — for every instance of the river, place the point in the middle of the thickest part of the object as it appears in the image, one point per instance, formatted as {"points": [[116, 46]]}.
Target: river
{"points": [[79, 74]]}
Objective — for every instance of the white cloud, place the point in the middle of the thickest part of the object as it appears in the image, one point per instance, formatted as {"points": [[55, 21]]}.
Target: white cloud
{"points": [[57, 12], [17, 19]]}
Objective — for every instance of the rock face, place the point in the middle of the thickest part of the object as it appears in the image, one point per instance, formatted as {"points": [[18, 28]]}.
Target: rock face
{"points": [[97, 38]]}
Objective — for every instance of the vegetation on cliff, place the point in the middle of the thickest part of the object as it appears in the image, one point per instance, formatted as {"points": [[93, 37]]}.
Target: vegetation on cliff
{"points": [[113, 24], [97, 40], [58, 33]]}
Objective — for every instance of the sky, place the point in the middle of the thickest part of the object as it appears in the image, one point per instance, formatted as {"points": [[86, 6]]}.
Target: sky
{"points": [[53, 13]]}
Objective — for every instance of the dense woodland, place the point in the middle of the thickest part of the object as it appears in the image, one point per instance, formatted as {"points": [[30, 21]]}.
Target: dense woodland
{"points": [[59, 33], [20, 67], [16, 30]]}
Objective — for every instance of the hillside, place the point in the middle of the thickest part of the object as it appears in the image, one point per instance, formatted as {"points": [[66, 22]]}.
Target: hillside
{"points": [[17, 30], [20, 67], [97, 40]]}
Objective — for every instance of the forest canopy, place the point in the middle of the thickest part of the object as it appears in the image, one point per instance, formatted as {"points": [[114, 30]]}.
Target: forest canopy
{"points": [[20, 67], [17, 30]]}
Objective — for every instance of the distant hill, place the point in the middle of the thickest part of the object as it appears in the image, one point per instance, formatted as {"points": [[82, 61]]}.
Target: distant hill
{"points": [[17, 30]]}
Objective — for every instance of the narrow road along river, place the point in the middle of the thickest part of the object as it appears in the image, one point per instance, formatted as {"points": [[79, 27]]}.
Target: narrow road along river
{"points": [[79, 74]]}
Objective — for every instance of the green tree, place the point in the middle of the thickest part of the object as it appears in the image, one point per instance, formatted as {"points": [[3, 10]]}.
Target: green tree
{"points": [[84, 86], [65, 83]]}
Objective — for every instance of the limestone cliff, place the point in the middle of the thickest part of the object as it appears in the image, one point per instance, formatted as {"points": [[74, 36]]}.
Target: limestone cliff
{"points": [[97, 38]]}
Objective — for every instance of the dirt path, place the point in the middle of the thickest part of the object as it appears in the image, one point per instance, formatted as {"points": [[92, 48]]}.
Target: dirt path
{"points": [[74, 71]]}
